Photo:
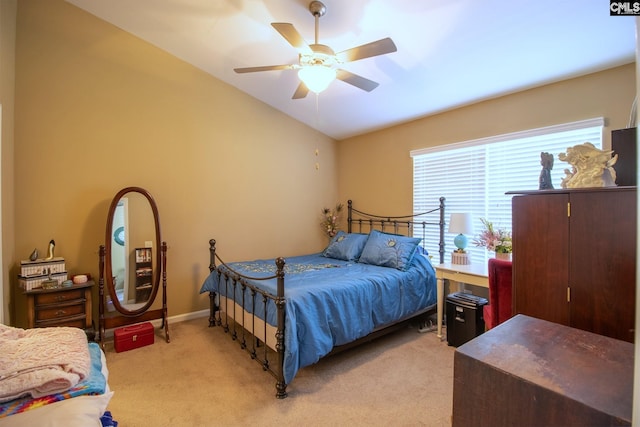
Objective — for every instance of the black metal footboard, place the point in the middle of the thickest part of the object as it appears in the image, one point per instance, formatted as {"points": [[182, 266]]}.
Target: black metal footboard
{"points": [[234, 310]]}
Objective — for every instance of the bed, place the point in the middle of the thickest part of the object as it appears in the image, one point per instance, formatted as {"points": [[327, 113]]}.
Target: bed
{"points": [[330, 300], [52, 377]]}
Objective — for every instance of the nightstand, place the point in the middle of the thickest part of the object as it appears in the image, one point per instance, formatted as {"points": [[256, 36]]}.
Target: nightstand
{"points": [[64, 306]]}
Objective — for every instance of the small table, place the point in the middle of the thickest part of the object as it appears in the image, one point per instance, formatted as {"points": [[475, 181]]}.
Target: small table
{"points": [[472, 274]]}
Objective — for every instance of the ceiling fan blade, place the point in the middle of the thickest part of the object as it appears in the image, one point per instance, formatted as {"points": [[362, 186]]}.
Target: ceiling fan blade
{"points": [[368, 50], [292, 35], [356, 80], [263, 68], [301, 91]]}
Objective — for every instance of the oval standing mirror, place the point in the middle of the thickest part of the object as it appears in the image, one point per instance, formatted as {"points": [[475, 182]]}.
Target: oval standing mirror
{"points": [[132, 251], [132, 262]]}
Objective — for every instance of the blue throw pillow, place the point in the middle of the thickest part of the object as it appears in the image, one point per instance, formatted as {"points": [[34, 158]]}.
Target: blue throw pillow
{"points": [[346, 246], [389, 250]]}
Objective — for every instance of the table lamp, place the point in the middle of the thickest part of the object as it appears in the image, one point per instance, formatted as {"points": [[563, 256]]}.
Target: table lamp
{"points": [[460, 223]]}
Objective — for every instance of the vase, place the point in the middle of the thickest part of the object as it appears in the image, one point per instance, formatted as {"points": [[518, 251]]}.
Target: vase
{"points": [[503, 255]]}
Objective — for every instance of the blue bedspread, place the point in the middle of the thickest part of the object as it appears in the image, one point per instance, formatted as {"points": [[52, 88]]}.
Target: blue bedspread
{"points": [[331, 302]]}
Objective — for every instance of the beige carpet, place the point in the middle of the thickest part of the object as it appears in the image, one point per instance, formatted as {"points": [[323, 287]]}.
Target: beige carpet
{"points": [[404, 379]]}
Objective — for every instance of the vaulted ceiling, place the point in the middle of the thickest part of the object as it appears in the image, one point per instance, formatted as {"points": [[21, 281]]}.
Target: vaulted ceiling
{"points": [[449, 53]]}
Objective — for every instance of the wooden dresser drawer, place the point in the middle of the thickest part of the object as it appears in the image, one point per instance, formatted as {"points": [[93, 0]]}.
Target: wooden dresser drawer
{"points": [[59, 311], [60, 307], [75, 321], [59, 297]]}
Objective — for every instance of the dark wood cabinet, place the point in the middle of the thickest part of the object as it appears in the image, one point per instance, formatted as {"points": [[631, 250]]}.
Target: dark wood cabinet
{"points": [[574, 258], [64, 306], [530, 372], [624, 143]]}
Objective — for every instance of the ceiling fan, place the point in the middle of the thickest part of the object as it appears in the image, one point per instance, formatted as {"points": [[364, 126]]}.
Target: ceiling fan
{"points": [[318, 65]]}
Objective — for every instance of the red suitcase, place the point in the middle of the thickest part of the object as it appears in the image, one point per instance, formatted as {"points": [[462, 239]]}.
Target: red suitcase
{"points": [[134, 336]]}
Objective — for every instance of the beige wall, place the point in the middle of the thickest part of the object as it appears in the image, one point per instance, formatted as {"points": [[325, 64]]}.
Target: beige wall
{"points": [[7, 94], [376, 168], [97, 110]]}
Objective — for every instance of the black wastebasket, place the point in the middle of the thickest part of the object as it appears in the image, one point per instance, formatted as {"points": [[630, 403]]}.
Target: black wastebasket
{"points": [[465, 319]]}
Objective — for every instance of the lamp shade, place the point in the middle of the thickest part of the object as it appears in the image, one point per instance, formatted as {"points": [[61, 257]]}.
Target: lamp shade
{"points": [[317, 77], [460, 223]]}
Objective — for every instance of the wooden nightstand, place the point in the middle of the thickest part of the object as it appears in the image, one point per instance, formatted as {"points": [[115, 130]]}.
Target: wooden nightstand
{"points": [[64, 306]]}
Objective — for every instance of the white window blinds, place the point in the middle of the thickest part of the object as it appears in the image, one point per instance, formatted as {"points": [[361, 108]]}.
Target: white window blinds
{"points": [[474, 176]]}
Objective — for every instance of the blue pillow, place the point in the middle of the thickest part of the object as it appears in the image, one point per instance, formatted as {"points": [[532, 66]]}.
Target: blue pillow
{"points": [[422, 251], [389, 250], [346, 246]]}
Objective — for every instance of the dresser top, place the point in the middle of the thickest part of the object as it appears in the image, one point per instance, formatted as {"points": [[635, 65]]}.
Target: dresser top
{"points": [[61, 288], [583, 366], [574, 190]]}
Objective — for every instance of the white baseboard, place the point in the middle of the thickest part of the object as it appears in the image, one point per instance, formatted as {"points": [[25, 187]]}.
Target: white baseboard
{"points": [[182, 317], [171, 319]]}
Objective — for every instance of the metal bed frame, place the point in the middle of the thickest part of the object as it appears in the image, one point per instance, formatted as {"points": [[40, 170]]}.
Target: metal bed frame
{"points": [[251, 332]]}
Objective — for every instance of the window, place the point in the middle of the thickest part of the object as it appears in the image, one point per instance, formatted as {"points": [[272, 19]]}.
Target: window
{"points": [[474, 176]]}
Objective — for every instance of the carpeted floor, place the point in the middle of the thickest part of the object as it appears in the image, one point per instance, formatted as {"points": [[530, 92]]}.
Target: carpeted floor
{"points": [[405, 379]]}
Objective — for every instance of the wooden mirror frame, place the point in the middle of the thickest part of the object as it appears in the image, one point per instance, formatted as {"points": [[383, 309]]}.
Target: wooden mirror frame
{"points": [[123, 316]]}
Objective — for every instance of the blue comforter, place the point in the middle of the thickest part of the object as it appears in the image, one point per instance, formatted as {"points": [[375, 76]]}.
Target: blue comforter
{"points": [[331, 302]]}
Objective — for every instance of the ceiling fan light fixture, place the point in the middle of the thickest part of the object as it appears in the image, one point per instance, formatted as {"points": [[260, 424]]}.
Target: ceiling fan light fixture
{"points": [[318, 65], [317, 77]]}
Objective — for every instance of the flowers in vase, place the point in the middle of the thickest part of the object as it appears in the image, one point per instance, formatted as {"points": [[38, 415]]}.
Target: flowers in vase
{"points": [[494, 239], [330, 220]]}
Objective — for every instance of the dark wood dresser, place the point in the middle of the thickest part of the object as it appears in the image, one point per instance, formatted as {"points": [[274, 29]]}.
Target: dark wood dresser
{"points": [[64, 306], [574, 258], [531, 372]]}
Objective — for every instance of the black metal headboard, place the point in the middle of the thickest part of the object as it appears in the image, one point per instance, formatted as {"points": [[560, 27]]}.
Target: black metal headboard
{"points": [[410, 225]]}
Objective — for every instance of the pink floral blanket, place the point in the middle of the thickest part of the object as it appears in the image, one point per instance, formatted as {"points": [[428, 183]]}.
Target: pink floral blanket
{"points": [[42, 361]]}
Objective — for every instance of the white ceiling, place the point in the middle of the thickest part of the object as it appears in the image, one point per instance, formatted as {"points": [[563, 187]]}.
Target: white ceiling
{"points": [[450, 52]]}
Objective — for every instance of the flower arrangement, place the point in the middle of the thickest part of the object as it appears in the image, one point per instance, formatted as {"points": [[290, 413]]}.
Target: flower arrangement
{"points": [[330, 220], [494, 239]]}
